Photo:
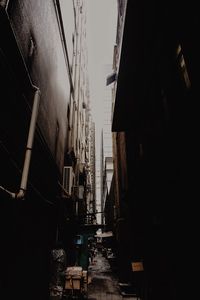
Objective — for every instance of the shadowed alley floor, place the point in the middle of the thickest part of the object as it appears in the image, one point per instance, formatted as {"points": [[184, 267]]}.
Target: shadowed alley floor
{"points": [[104, 283]]}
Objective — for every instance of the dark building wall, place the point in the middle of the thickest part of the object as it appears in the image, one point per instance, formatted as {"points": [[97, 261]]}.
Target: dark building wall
{"points": [[158, 114], [35, 25], [120, 176], [30, 45], [42, 52]]}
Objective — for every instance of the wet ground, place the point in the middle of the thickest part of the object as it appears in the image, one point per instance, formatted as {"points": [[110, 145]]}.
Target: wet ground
{"points": [[104, 283]]}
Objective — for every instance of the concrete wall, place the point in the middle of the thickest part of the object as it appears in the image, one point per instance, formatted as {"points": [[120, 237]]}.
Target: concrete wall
{"points": [[35, 25], [30, 45], [160, 140]]}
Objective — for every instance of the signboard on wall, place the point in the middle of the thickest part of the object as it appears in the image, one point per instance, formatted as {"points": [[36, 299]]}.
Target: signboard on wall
{"points": [[137, 266]]}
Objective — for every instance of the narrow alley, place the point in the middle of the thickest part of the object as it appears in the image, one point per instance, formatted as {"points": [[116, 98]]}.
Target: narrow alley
{"points": [[99, 150], [103, 282]]}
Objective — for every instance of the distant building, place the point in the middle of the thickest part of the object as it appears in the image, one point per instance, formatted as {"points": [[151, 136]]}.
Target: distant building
{"points": [[92, 199], [80, 150], [106, 147]]}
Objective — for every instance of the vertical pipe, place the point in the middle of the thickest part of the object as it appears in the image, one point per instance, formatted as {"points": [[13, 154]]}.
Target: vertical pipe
{"points": [[29, 145]]}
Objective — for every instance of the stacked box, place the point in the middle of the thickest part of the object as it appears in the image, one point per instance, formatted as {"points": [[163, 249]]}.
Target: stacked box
{"points": [[85, 280], [73, 278]]}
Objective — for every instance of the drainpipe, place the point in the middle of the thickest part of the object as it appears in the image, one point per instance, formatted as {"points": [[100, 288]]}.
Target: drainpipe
{"points": [[24, 179]]}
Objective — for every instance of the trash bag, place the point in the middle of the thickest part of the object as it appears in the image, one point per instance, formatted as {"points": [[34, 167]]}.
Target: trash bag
{"points": [[57, 277]]}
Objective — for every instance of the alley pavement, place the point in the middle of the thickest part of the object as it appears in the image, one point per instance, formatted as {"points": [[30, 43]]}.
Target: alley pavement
{"points": [[103, 282]]}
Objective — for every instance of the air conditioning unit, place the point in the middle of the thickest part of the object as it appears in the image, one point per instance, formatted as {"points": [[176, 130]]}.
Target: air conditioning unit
{"points": [[68, 179], [78, 191], [75, 190], [81, 191]]}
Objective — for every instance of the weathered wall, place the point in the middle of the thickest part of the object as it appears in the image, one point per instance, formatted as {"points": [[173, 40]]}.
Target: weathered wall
{"points": [[28, 228], [35, 24]]}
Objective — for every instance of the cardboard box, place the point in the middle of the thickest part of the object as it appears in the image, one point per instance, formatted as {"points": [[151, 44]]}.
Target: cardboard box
{"points": [[74, 271], [74, 277], [137, 266], [73, 283]]}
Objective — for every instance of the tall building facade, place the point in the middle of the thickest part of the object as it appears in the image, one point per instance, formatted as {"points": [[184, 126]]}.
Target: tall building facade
{"points": [[154, 124], [44, 131], [107, 144], [92, 198]]}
